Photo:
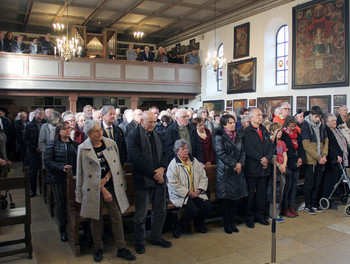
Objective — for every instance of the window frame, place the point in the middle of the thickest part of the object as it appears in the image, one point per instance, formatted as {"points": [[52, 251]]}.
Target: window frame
{"points": [[286, 57], [218, 79]]}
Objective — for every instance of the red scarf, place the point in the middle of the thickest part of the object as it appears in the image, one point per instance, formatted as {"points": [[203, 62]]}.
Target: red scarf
{"points": [[293, 134]]}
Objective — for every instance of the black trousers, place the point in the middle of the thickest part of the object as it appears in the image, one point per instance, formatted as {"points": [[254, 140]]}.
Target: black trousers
{"points": [[330, 178], [34, 161], [256, 208], [313, 176], [197, 209]]}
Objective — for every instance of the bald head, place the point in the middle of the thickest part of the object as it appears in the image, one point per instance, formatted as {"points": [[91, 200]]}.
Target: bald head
{"points": [[148, 121]]}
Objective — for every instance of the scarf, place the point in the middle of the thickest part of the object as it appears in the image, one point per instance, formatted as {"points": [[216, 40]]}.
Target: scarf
{"points": [[293, 134], [342, 144], [202, 135], [231, 134]]}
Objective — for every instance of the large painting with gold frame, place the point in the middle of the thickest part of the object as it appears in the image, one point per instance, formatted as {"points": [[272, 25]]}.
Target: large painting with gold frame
{"points": [[321, 44]]}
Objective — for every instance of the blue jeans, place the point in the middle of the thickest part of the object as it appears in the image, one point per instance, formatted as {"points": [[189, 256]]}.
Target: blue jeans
{"points": [[143, 197]]}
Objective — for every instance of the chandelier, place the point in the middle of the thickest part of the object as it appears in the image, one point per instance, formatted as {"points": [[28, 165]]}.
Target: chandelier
{"points": [[218, 60], [67, 49], [138, 35], [57, 27]]}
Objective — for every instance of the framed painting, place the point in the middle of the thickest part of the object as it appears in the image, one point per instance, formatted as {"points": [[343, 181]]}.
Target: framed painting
{"points": [[238, 104], [228, 103], [178, 48], [268, 104], [323, 101], [48, 100], [336, 110], [197, 45], [217, 105], [241, 76], [252, 102], [241, 41], [321, 44], [339, 100], [193, 43]]}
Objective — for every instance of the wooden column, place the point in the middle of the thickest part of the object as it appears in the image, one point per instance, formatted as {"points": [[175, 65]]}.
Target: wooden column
{"points": [[73, 97], [133, 101]]}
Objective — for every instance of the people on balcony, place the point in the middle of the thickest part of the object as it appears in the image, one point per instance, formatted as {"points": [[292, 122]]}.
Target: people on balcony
{"points": [[131, 53], [4, 43], [147, 55], [34, 47], [47, 45], [19, 46]]}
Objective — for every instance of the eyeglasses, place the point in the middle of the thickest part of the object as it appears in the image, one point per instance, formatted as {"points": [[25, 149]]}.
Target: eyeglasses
{"points": [[67, 128], [184, 117], [286, 109]]}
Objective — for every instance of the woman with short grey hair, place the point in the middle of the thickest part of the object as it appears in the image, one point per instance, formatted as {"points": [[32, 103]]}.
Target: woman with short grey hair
{"points": [[204, 113], [70, 118], [187, 185], [79, 135], [131, 53], [100, 180]]}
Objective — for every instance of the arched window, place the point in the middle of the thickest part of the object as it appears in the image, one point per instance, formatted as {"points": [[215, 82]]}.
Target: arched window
{"points": [[220, 72], [282, 55]]}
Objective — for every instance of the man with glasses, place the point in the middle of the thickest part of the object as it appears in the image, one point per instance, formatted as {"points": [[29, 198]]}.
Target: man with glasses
{"points": [[285, 111], [182, 129]]}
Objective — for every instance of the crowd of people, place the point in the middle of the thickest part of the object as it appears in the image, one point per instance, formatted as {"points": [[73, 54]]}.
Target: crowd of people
{"points": [[47, 47], [168, 152]]}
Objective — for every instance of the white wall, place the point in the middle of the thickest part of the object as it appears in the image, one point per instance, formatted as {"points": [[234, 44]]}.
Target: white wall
{"points": [[263, 29]]}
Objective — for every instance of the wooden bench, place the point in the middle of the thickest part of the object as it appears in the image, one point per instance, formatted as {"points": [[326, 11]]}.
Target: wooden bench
{"points": [[20, 215]]}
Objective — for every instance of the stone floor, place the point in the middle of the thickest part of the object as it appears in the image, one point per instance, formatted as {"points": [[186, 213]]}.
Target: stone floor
{"points": [[321, 238]]}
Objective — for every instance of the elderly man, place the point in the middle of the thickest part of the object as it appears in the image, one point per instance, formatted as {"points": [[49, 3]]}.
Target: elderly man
{"points": [[112, 131], [258, 149], [285, 111], [133, 124], [97, 115], [147, 55], [4, 43], [131, 53], [48, 112], [148, 161], [19, 46], [181, 128], [47, 47], [155, 111], [87, 110], [343, 112], [31, 139]]}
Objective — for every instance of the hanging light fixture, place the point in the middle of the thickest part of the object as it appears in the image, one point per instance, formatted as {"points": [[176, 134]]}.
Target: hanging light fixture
{"points": [[138, 35], [58, 27], [66, 48], [218, 60]]}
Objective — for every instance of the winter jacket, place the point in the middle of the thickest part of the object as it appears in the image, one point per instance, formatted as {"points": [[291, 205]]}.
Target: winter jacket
{"points": [[310, 142], [179, 183], [255, 150], [47, 134], [172, 134], [89, 177], [31, 135], [229, 184], [293, 154], [56, 156], [334, 149], [207, 147]]}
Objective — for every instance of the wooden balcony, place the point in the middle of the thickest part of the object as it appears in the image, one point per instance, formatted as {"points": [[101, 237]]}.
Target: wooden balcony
{"points": [[38, 72]]}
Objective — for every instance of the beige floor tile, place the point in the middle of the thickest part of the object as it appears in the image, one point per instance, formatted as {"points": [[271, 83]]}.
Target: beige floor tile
{"points": [[234, 258]]}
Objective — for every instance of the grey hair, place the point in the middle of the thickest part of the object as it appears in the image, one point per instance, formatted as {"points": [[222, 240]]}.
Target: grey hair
{"points": [[86, 107], [67, 113], [95, 113], [106, 109], [252, 110], [343, 106], [179, 111], [19, 115], [67, 116], [78, 115], [90, 124], [37, 111], [200, 110], [285, 103], [327, 116], [54, 118], [278, 109], [244, 119], [180, 143]]}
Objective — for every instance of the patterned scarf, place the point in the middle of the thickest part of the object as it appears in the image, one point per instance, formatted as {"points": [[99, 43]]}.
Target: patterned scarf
{"points": [[202, 135], [293, 134], [342, 144], [231, 134]]}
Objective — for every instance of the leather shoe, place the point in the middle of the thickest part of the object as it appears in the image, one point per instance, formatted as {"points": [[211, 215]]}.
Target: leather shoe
{"points": [[263, 222], [177, 232], [64, 236], [201, 229], [140, 249], [98, 256], [126, 254], [162, 243], [249, 224]]}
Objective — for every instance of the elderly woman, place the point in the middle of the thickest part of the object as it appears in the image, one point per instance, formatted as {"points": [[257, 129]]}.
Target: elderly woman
{"points": [[60, 156], [231, 185], [187, 186], [204, 113], [100, 180], [79, 128], [205, 137], [338, 152], [70, 118], [345, 129]]}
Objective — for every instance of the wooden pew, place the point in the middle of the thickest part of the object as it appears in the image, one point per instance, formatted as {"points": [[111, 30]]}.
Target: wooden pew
{"points": [[19, 215]]}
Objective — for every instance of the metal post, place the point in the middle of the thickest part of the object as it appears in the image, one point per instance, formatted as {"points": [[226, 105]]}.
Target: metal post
{"points": [[273, 226]]}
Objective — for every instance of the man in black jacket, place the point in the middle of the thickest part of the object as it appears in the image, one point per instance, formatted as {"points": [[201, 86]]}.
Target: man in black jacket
{"points": [[183, 129], [110, 130], [4, 43], [148, 162], [31, 138], [258, 149]]}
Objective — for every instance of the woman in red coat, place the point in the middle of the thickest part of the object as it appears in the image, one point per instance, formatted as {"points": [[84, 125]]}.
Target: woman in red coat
{"points": [[79, 135], [205, 137]]}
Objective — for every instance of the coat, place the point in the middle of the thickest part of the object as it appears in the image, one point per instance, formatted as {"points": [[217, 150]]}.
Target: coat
{"points": [[255, 150], [172, 134], [47, 134], [229, 184], [292, 153], [178, 181], [149, 58], [207, 147], [89, 177], [31, 135], [79, 135], [56, 157], [346, 132], [334, 150]]}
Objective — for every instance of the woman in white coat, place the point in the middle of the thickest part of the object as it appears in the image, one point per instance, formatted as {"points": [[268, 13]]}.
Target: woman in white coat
{"points": [[100, 180], [187, 186]]}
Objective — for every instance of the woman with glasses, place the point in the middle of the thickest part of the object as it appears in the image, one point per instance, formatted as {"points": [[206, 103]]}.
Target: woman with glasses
{"points": [[60, 157], [70, 118]]}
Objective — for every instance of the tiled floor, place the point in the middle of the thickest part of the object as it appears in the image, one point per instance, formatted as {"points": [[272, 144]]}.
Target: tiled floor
{"points": [[322, 238]]}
